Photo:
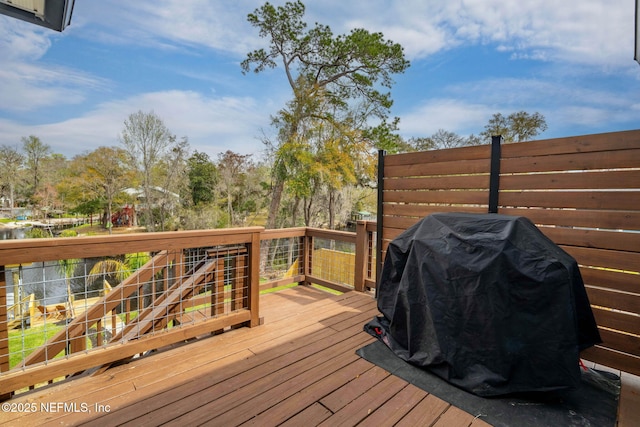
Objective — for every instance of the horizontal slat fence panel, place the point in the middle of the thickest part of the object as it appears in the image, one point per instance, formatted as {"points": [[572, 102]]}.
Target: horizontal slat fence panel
{"points": [[437, 197], [611, 279], [603, 239], [603, 200], [624, 301], [480, 152], [457, 182], [584, 194], [593, 218], [570, 162], [615, 260], [616, 321], [584, 144], [418, 184], [571, 180]]}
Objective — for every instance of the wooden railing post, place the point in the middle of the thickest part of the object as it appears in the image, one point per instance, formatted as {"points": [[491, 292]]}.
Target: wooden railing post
{"points": [[253, 281], [4, 325], [308, 258], [4, 330], [361, 256]]}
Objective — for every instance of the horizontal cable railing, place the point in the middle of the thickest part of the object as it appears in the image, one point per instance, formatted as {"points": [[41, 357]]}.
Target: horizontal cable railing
{"points": [[84, 303], [90, 301]]}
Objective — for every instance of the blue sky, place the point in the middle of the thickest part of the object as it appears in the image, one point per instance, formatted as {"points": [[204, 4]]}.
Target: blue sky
{"points": [[570, 61]]}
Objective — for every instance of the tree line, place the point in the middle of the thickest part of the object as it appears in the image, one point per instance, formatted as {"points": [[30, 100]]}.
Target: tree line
{"points": [[324, 179], [320, 153]]}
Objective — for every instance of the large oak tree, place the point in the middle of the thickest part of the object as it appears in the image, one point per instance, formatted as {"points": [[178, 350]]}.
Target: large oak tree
{"points": [[328, 75]]}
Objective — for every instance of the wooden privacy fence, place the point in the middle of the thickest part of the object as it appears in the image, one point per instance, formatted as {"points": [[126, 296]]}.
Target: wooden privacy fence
{"points": [[583, 192]]}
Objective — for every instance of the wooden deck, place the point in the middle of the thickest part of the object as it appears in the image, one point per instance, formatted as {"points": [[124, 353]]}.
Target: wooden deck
{"points": [[298, 368]]}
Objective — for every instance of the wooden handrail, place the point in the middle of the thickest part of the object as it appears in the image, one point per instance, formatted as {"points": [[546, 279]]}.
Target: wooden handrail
{"points": [[167, 246], [72, 338]]}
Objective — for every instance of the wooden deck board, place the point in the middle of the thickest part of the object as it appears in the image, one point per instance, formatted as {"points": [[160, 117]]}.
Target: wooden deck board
{"points": [[298, 368], [395, 408]]}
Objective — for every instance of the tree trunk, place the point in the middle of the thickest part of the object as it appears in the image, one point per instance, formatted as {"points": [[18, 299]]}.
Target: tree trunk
{"points": [[332, 208], [274, 206], [11, 191], [294, 213], [230, 208], [109, 215]]}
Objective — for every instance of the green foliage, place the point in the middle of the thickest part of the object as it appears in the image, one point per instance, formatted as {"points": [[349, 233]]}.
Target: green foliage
{"points": [[516, 127], [147, 141], [36, 151], [89, 208], [136, 260], [68, 233], [324, 133], [37, 233], [443, 139], [348, 66], [202, 217], [203, 176]]}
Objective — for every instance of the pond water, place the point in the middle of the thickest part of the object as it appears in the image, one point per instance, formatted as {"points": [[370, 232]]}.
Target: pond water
{"points": [[43, 279], [12, 233]]}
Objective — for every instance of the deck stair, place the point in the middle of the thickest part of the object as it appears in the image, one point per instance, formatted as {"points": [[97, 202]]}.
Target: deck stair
{"points": [[158, 315], [76, 330]]}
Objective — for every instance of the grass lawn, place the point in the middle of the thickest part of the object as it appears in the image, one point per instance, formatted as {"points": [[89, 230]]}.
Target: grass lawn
{"points": [[20, 346]]}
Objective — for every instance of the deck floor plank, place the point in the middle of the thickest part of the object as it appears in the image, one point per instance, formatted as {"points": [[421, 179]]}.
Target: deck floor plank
{"points": [[309, 396], [140, 376], [341, 397], [395, 408], [424, 413], [298, 368], [357, 410], [271, 391], [310, 416], [248, 375], [454, 417]]}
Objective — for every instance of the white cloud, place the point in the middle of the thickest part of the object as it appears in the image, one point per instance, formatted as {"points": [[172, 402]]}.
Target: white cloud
{"points": [[598, 32], [212, 125], [466, 108], [449, 114], [19, 40], [172, 24], [27, 81], [567, 36], [27, 86], [588, 32]]}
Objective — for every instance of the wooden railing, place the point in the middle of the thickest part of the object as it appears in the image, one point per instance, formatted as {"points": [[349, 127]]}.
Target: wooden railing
{"points": [[192, 283], [195, 282], [338, 260]]}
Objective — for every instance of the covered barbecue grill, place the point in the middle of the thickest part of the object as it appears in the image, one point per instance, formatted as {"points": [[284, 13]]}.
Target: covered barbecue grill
{"points": [[486, 302]]}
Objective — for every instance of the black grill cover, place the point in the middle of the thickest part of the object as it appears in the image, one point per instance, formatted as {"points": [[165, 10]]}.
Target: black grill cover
{"points": [[486, 302]]}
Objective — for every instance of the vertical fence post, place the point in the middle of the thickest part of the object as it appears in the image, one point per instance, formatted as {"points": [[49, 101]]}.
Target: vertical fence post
{"points": [[361, 256], [494, 177], [4, 331], [379, 225], [253, 281], [308, 257], [4, 326]]}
